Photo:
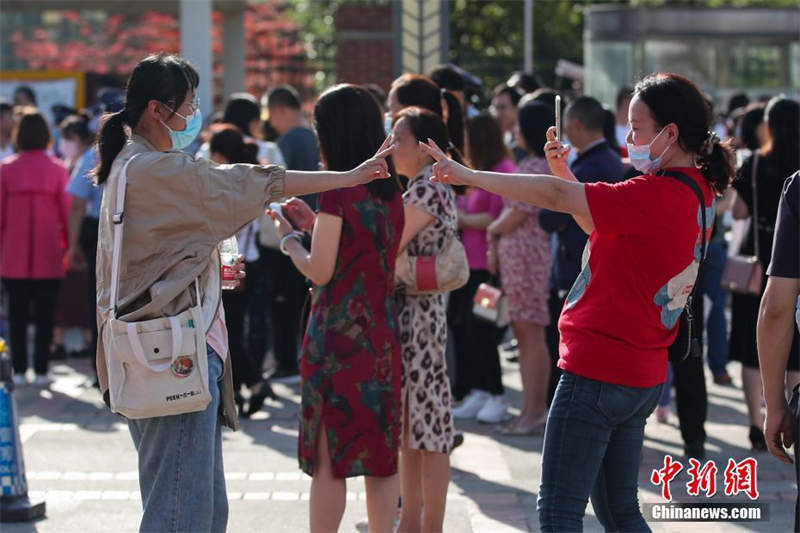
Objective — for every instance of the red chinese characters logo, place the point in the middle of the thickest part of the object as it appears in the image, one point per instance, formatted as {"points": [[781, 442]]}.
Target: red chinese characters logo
{"points": [[664, 475], [741, 477]]}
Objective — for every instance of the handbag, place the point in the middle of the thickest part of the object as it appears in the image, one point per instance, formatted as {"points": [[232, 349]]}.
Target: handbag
{"points": [[744, 274], [431, 274], [156, 367], [686, 342], [491, 305]]}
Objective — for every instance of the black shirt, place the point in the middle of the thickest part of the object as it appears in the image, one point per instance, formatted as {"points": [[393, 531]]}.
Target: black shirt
{"points": [[786, 245]]}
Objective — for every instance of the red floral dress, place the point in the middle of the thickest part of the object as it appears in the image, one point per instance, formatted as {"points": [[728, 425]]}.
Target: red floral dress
{"points": [[350, 361]]}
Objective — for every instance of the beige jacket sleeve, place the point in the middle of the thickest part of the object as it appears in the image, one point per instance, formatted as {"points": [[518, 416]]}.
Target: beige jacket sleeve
{"points": [[221, 199]]}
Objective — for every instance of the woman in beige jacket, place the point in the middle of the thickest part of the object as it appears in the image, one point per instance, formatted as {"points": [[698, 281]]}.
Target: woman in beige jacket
{"points": [[177, 210]]}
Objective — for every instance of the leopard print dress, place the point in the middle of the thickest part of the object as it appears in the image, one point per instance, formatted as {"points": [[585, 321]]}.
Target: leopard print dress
{"points": [[423, 327]]}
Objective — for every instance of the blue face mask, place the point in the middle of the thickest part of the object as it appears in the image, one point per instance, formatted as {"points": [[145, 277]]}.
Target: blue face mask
{"points": [[183, 138], [639, 156]]}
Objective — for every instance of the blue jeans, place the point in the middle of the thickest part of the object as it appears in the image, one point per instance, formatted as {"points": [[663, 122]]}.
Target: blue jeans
{"points": [[181, 476], [666, 392], [593, 447], [717, 326]]}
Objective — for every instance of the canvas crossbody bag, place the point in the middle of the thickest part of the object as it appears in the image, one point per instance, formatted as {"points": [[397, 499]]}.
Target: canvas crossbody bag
{"points": [[156, 367]]}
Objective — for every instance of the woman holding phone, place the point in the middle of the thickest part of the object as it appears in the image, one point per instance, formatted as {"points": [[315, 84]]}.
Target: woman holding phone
{"points": [[177, 210], [644, 233]]}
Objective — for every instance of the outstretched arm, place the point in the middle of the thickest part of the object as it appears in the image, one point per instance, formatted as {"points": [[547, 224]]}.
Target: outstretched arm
{"points": [[541, 190], [299, 183]]}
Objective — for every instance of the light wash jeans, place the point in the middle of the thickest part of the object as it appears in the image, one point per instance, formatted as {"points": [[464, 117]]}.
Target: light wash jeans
{"points": [[593, 447], [181, 476]]}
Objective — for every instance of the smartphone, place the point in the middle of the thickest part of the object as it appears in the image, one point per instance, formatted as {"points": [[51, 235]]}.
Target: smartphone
{"points": [[558, 117], [275, 206]]}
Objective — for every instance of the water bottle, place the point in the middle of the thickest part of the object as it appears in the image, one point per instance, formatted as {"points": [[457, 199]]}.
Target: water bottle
{"points": [[228, 252]]}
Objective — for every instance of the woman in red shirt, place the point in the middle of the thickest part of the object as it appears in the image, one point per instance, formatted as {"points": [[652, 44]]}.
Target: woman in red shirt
{"points": [[33, 237], [622, 313]]}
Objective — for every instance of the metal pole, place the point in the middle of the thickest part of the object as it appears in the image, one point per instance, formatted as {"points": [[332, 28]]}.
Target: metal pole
{"points": [[528, 36]]}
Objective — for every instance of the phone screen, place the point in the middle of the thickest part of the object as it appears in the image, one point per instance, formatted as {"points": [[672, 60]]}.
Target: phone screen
{"points": [[558, 117]]}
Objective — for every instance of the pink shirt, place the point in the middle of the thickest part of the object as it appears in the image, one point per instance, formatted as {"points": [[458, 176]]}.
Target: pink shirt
{"points": [[480, 201], [217, 336], [33, 216]]}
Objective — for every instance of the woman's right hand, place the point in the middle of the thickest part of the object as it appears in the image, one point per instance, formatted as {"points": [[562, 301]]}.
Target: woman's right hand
{"points": [[373, 168], [556, 154], [300, 214]]}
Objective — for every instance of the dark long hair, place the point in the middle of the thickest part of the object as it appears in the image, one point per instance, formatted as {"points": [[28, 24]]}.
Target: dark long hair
{"points": [[166, 78], [534, 117], [674, 99], [486, 146], [241, 110], [749, 123], [349, 126], [455, 120], [425, 124], [228, 140], [782, 116]]}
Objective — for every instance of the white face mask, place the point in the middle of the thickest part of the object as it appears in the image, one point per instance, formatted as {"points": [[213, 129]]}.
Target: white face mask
{"points": [[69, 149], [640, 157]]}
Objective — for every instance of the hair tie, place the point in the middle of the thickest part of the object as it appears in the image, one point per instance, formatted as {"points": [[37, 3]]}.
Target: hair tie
{"points": [[708, 144], [450, 145]]}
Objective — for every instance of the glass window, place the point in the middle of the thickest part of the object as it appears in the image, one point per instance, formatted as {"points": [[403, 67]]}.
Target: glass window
{"points": [[609, 66], [753, 65], [694, 59]]}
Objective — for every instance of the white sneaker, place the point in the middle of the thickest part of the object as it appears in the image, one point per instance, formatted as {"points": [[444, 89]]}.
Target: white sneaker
{"points": [[494, 411], [20, 380], [472, 405], [42, 380]]}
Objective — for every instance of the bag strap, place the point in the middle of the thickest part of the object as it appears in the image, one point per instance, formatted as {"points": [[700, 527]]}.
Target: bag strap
{"points": [[119, 223], [753, 173], [689, 182]]}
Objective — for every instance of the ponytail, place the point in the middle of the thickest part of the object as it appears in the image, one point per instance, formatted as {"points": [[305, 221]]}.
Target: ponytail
{"points": [[717, 163], [455, 119], [110, 140]]}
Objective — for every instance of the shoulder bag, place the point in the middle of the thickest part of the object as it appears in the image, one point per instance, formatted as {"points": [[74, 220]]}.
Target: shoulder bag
{"points": [[431, 274], [744, 274]]}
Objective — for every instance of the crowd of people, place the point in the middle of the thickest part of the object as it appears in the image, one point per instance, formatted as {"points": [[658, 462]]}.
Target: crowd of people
{"points": [[595, 250]]}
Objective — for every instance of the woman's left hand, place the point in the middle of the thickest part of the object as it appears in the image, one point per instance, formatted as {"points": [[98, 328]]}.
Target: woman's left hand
{"points": [[373, 168], [282, 226]]}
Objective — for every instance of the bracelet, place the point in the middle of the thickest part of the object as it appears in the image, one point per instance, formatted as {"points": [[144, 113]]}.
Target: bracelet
{"points": [[293, 235]]}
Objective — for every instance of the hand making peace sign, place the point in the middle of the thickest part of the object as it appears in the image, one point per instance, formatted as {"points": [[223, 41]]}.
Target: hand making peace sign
{"points": [[374, 168], [445, 170]]}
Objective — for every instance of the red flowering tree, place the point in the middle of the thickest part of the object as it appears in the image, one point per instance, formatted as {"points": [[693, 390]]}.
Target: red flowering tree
{"points": [[113, 43]]}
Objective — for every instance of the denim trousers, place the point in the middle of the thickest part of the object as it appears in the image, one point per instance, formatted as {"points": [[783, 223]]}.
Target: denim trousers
{"points": [[181, 476], [717, 326], [593, 448]]}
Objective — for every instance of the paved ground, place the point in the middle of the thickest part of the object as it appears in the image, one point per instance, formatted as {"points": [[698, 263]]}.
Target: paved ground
{"points": [[81, 461]]}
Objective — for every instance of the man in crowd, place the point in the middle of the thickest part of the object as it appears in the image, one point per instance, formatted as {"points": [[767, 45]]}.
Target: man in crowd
{"points": [[779, 306], [595, 161], [300, 150]]}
